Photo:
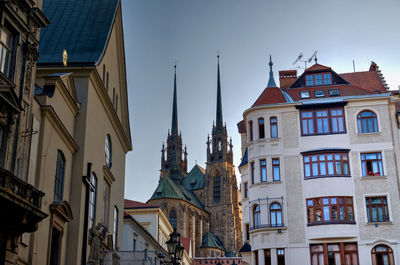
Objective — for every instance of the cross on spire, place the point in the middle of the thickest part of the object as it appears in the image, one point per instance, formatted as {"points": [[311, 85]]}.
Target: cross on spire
{"points": [[271, 81]]}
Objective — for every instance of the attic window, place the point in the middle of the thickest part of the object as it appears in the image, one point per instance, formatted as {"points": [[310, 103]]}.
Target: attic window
{"points": [[319, 79], [319, 93], [305, 94], [334, 92]]}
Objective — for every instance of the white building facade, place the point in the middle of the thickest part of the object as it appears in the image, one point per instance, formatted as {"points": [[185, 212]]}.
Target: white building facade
{"points": [[320, 174]]}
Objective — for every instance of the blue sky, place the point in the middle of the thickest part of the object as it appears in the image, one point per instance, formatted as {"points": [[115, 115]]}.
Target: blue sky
{"points": [[159, 33]]}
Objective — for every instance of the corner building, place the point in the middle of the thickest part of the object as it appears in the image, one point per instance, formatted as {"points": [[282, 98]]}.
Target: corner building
{"points": [[320, 175]]}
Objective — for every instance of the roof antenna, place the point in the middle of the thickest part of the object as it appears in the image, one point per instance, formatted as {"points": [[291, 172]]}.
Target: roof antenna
{"points": [[354, 67], [313, 56]]}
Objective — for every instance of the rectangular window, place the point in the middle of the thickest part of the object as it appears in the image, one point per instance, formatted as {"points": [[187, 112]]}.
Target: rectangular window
{"points": [[255, 257], [247, 232], [263, 170], [326, 121], [246, 189], [334, 253], [275, 169], [318, 79], [261, 128], [92, 200], [371, 164], [115, 231], [305, 94], [330, 210], [377, 209], [273, 122], [55, 252], [253, 173], [319, 93], [106, 203], [326, 164], [251, 130], [334, 92], [6, 52], [309, 80], [267, 255], [280, 252], [327, 79]]}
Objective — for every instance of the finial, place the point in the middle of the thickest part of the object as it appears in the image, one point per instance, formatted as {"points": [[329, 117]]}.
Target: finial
{"points": [[271, 81], [270, 61], [316, 59]]}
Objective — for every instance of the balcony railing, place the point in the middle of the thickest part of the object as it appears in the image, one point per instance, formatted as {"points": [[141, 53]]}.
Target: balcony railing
{"points": [[261, 226], [19, 189]]}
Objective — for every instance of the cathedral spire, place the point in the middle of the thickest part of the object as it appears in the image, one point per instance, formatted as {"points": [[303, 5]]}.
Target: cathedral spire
{"points": [[219, 101], [271, 81], [174, 126]]}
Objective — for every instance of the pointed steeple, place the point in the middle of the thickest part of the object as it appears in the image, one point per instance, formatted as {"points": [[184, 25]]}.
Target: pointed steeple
{"points": [[174, 126], [219, 101], [271, 81]]}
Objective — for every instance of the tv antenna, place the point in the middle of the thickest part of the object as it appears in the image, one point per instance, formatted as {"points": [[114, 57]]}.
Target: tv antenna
{"points": [[300, 59], [313, 56]]}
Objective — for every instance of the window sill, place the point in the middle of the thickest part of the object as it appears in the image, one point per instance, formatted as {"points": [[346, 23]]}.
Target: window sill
{"points": [[369, 134], [379, 223], [330, 176], [322, 134], [265, 182], [332, 223], [373, 177], [267, 228]]}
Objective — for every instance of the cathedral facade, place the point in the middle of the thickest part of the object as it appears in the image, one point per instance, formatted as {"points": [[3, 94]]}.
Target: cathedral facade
{"points": [[204, 204]]}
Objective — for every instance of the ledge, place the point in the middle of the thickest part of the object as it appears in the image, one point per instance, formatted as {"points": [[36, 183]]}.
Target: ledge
{"points": [[369, 134], [262, 183], [379, 223], [373, 177], [267, 228], [329, 176], [332, 223]]}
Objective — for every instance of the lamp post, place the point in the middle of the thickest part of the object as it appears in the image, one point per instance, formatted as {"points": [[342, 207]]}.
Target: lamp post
{"points": [[175, 248]]}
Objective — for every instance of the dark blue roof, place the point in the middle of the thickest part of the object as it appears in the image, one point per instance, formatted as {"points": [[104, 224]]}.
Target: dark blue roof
{"points": [[81, 27], [244, 159]]}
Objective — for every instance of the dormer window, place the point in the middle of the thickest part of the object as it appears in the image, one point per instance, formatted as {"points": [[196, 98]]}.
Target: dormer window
{"points": [[319, 79], [319, 93], [333, 92], [305, 94]]}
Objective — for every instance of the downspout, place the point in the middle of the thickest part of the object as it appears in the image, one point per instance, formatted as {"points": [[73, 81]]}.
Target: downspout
{"points": [[86, 181]]}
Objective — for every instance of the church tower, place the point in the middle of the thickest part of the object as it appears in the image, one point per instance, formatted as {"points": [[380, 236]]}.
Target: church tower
{"points": [[222, 198], [174, 166]]}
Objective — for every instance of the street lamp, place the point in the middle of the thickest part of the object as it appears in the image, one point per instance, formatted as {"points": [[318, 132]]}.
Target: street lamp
{"points": [[175, 248]]}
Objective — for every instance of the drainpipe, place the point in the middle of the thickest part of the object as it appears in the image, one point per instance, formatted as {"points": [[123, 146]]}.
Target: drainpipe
{"points": [[86, 181]]}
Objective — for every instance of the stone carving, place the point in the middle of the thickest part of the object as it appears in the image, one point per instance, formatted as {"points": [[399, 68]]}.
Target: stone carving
{"points": [[32, 55], [95, 240]]}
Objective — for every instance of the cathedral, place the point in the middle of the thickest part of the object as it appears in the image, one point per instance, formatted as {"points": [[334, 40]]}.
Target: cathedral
{"points": [[204, 204]]}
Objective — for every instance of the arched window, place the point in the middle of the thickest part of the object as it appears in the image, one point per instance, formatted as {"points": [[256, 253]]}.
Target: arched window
{"points": [[275, 214], [261, 128], [59, 178], [382, 255], [273, 123], [108, 151], [217, 188], [256, 216], [367, 122], [251, 130], [172, 218]]}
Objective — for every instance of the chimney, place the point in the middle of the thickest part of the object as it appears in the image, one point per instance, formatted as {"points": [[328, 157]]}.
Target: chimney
{"points": [[287, 77]]}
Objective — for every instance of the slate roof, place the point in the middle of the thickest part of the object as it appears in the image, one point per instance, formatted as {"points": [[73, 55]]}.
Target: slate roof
{"points": [[211, 241], [167, 188], [195, 179], [244, 159], [82, 27], [245, 248]]}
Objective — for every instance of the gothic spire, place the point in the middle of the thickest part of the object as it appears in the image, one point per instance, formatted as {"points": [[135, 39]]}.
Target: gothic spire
{"points": [[271, 81], [219, 100], [174, 126]]}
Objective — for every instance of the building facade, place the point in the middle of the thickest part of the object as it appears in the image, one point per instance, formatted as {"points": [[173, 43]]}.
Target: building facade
{"points": [[320, 174], [204, 203], [20, 198]]}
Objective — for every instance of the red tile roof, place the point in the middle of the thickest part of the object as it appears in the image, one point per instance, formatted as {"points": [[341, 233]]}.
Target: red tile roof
{"points": [[186, 243], [270, 95], [241, 127], [369, 80], [317, 67], [135, 204]]}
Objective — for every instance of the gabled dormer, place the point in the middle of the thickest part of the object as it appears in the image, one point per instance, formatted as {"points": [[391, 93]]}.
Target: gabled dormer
{"points": [[318, 75]]}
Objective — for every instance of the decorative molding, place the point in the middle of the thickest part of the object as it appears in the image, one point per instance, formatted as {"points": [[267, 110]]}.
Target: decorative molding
{"points": [[62, 209], [108, 175]]}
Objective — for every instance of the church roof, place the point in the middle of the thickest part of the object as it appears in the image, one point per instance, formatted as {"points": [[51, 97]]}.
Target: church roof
{"points": [[82, 28], [195, 179], [211, 241], [167, 188]]}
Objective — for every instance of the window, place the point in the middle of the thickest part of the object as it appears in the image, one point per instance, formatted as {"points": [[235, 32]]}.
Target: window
{"points": [[253, 173], [106, 203], [305, 94], [108, 151], [319, 79], [334, 92], [267, 255], [55, 251], [371, 164], [261, 128], [334, 253], [273, 122], [92, 199], [247, 232], [173, 218], [6, 52], [382, 255], [275, 215], [319, 93], [263, 170], [256, 216], [217, 188], [330, 210], [251, 130], [280, 252], [367, 122], [326, 164], [275, 169], [134, 245], [377, 209], [246, 189], [322, 121], [59, 178], [255, 257], [115, 233]]}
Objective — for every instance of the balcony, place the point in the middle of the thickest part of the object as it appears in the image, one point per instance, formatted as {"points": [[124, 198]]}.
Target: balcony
{"points": [[21, 201], [278, 227]]}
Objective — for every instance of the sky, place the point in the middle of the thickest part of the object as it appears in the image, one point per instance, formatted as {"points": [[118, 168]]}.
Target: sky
{"points": [[160, 33]]}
